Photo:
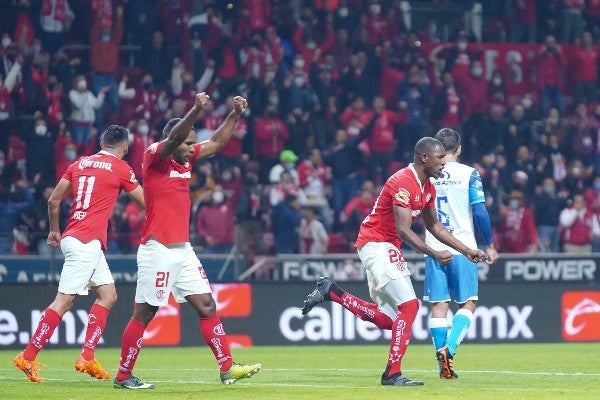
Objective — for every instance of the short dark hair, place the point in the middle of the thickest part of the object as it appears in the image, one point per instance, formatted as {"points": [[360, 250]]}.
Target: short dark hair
{"points": [[426, 145], [450, 139], [169, 126], [115, 135]]}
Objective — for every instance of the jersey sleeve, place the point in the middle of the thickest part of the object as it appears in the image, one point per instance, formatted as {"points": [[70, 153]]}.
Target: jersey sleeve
{"points": [[476, 194], [431, 195], [197, 148], [127, 177], [68, 174], [151, 154]]}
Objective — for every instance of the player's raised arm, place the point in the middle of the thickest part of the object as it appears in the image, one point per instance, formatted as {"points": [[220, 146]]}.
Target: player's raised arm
{"points": [[181, 130], [223, 133]]}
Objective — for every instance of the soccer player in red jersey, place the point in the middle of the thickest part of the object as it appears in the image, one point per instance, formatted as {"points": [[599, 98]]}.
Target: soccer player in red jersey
{"points": [[166, 260], [94, 183], [406, 194]]}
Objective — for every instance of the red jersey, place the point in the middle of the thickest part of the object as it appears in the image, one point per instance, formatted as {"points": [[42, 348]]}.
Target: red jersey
{"points": [[404, 189], [96, 182], [167, 196]]}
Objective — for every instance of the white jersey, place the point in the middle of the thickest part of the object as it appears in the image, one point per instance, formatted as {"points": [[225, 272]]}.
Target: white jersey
{"points": [[457, 189]]}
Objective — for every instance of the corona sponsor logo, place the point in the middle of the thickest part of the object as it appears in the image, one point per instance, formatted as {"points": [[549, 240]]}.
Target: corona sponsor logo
{"points": [[177, 174], [88, 163]]}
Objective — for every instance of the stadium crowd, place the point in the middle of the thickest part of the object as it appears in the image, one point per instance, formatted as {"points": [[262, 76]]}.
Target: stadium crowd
{"points": [[339, 91]]}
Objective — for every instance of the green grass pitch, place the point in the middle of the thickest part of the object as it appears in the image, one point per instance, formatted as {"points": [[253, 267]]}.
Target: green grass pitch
{"points": [[486, 371]]}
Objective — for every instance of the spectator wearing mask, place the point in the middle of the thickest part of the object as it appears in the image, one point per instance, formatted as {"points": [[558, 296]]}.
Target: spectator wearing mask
{"points": [[548, 205], [516, 232], [249, 211], [104, 57], [579, 227], [550, 64], [315, 179], [270, 134], [140, 138], [84, 105], [313, 235], [285, 221], [215, 223], [585, 71], [12, 204], [287, 163], [38, 159]]}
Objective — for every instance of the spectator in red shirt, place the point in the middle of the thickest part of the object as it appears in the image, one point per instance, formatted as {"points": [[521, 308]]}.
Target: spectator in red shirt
{"points": [[104, 60], [141, 137], [357, 210], [382, 139], [271, 134], [516, 232], [525, 17], [550, 65], [258, 13], [585, 71], [215, 223], [306, 44], [447, 104], [579, 227], [135, 218], [231, 154], [474, 92]]}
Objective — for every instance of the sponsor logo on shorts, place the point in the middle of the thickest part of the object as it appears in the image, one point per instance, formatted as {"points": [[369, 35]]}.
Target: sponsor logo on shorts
{"points": [[581, 316]]}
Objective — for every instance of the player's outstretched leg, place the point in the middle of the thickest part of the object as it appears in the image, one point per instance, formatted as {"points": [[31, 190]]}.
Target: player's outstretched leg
{"points": [[239, 371], [319, 294]]}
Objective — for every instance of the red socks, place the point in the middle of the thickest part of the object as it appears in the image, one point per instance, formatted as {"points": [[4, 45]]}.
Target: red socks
{"points": [[48, 323], [95, 327], [401, 333], [362, 309], [130, 348], [214, 335]]}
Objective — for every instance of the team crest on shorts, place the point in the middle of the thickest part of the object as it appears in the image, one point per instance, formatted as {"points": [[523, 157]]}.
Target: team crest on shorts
{"points": [[160, 294]]}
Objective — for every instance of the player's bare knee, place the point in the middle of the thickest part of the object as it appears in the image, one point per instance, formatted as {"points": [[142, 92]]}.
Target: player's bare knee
{"points": [[144, 313], [204, 305]]}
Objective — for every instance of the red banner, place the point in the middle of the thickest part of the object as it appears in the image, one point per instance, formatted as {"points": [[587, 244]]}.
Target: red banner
{"points": [[515, 61]]}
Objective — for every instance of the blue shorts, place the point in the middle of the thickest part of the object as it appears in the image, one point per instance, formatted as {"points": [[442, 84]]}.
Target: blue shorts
{"points": [[458, 280]]}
